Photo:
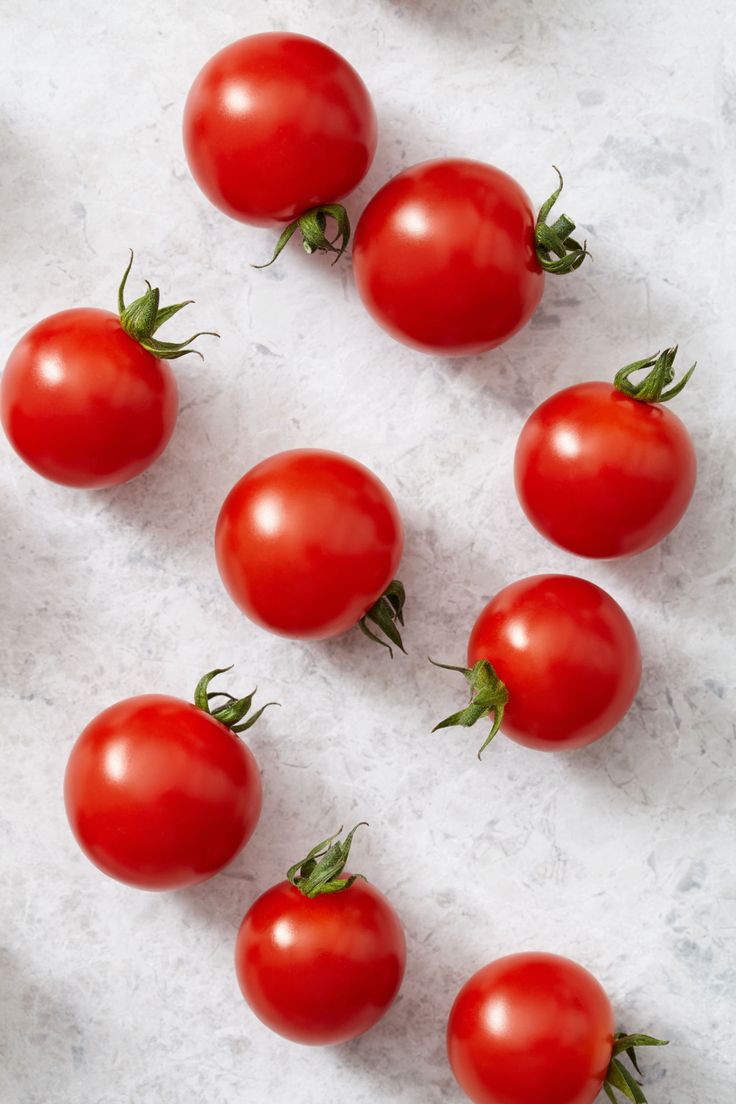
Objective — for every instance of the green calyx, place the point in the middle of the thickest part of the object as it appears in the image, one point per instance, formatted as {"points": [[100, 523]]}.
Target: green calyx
{"points": [[653, 387], [384, 614], [144, 316], [313, 227], [618, 1078], [320, 871], [488, 697], [557, 252], [233, 711]]}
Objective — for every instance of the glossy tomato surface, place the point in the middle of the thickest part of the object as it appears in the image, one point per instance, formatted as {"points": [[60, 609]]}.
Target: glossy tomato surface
{"points": [[320, 970], [602, 474], [159, 794], [83, 403], [276, 124], [531, 1029], [307, 541], [444, 257], [568, 655]]}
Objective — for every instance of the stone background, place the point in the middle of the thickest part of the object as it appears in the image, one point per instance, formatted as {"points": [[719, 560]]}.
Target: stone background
{"points": [[618, 855]]}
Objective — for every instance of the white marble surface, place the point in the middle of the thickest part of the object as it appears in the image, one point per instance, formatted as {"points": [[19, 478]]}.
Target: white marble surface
{"points": [[617, 855]]}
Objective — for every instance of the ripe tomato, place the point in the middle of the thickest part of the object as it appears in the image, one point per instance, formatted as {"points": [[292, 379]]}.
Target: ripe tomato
{"points": [[87, 397], [538, 1029], [555, 660], [607, 471], [277, 125], [307, 544], [448, 257], [161, 793], [320, 958]]}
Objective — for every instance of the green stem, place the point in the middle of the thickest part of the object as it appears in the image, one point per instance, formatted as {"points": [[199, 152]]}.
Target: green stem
{"points": [[488, 696], [652, 387], [320, 871], [618, 1077], [313, 227], [557, 252], [384, 614], [144, 317], [234, 710]]}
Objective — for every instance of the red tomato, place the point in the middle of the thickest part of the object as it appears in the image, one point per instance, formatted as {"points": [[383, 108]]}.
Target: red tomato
{"points": [[531, 1028], [162, 794], [87, 397], [324, 968], [537, 1029], [603, 473], [447, 257], [83, 403], [307, 542], [555, 659], [278, 124]]}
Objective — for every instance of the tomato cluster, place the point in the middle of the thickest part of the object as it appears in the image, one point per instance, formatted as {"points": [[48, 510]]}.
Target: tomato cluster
{"points": [[450, 258]]}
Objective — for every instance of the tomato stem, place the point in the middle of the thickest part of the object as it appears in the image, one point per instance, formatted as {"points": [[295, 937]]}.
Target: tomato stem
{"points": [[384, 614], [313, 225], [144, 317], [652, 387], [488, 696], [320, 871], [233, 711], [557, 252], [618, 1077]]}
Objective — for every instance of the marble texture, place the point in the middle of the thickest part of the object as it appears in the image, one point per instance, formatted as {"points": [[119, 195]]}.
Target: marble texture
{"points": [[619, 855]]}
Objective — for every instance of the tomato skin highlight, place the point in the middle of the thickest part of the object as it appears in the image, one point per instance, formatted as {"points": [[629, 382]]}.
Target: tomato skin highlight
{"points": [[601, 474], [307, 541], [531, 1028], [159, 794], [276, 124], [323, 970], [83, 403], [444, 257], [568, 655]]}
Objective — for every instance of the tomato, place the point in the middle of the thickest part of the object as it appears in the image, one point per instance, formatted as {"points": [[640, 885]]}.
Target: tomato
{"points": [[607, 470], [538, 1029], [448, 258], [307, 544], [555, 660], [87, 397], [320, 958], [276, 125], [161, 793]]}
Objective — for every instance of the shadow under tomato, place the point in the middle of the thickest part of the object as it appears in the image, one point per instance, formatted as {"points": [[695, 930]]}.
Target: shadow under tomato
{"points": [[701, 545], [670, 751], [447, 582], [407, 1047], [292, 795], [401, 143]]}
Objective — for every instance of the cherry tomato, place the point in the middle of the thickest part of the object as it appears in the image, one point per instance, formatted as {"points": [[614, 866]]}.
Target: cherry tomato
{"points": [[276, 125], [308, 542], [602, 470], [555, 660], [161, 793], [87, 397], [448, 258], [537, 1029], [320, 959]]}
